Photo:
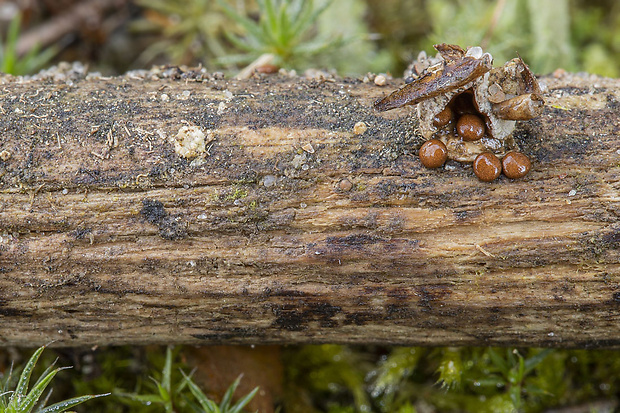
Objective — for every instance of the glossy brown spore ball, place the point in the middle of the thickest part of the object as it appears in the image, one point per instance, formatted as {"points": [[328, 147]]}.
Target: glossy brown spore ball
{"points": [[442, 118], [487, 166], [470, 127], [515, 165], [433, 153]]}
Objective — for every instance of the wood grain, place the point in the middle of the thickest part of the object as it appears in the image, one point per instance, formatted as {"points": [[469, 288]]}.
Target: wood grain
{"points": [[294, 229]]}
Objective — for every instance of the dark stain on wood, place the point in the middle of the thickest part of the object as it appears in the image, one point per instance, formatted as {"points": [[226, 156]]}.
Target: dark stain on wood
{"points": [[81, 233], [170, 227], [353, 241], [14, 312], [228, 334], [297, 317], [360, 318], [430, 294]]}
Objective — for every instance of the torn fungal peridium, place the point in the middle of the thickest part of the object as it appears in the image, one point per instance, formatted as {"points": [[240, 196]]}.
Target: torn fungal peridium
{"points": [[469, 107]]}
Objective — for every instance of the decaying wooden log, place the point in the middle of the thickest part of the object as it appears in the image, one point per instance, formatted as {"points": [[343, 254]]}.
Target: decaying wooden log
{"points": [[296, 226]]}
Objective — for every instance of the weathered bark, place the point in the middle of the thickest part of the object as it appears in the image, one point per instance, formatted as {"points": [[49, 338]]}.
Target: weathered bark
{"points": [[294, 229]]}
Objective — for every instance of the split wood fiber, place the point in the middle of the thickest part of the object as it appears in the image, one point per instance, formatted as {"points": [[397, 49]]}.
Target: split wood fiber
{"points": [[297, 226]]}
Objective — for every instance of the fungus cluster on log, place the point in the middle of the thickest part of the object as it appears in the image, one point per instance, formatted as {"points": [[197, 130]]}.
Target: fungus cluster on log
{"points": [[467, 109]]}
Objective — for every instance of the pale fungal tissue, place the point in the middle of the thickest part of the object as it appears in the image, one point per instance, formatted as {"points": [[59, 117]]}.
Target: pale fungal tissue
{"points": [[190, 142]]}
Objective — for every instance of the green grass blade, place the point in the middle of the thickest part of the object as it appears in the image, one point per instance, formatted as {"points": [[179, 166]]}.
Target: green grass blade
{"points": [[304, 18], [499, 362], [47, 371], [236, 59], [67, 404], [37, 390], [43, 401], [248, 25], [208, 405], [284, 25], [238, 407], [163, 394], [5, 385], [535, 360], [237, 42], [295, 7], [521, 368], [34, 59], [167, 371], [270, 17], [142, 398], [267, 23], [308, 18], [24, 377], [10, 56], [319, 46], [229, 394]]}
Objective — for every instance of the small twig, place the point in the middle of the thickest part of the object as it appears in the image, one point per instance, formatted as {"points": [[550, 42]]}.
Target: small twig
{"points": [[485, 252], [94, 129], [97, 155], [497, 13], [262, 60], [34, 193]]}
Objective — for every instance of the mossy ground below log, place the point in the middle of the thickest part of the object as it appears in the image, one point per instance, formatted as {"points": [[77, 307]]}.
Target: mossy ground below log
{"points": [[333, 378]]}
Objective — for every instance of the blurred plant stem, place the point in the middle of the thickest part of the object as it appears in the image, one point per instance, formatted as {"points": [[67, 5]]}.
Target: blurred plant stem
{"points": [[14, 63], [551, 43]]}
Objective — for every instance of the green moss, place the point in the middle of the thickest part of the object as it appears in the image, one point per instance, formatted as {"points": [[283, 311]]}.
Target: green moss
{"points": [[469, 379], [233, 194]]}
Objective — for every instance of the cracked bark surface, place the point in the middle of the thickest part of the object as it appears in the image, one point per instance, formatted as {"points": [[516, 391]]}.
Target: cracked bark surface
{"points": [[293, 228]]}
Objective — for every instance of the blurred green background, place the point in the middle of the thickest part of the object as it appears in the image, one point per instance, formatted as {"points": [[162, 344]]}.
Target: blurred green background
{"points": [[351, 37]]}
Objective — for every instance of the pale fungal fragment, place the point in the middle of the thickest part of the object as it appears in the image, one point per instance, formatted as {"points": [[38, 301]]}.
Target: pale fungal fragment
{"points": [[190, 141], [5, 155], [184, 95], [221, 108], [380, 80], [269, 181], [298, 160], [345, 185], [360, 128]]}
